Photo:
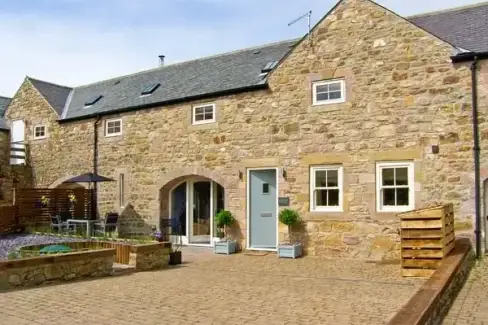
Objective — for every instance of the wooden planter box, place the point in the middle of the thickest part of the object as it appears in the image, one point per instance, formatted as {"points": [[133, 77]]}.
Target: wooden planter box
{"points": [[225, 247], [427, 237], [290, 250]]}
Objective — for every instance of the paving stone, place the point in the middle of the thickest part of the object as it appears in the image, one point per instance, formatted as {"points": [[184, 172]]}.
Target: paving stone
{"points": [[471, 304], [214, 289]]}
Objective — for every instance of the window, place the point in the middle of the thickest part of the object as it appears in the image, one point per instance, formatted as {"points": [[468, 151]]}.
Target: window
{"points": [[150, 89], [329, 92], [93, 100], [121, 190], [394, 187], [265, 188], [326, 188], [203, 114], [40, 132], [113, 128], [269, 66]]}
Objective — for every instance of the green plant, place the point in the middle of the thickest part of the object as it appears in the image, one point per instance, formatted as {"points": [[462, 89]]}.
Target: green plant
{"points": [[223, 220], [289, 218], [13, 255]]}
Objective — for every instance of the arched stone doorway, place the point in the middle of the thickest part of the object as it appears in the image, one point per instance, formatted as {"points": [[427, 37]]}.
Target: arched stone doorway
{"points": [[191, 202]]}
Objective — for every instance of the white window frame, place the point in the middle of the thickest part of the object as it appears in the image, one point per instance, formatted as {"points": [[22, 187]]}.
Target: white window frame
{"points": [[193, 110], [340, 178], [121, 190], [45, 131], [410, 186], [329, 101], [115, 133]]}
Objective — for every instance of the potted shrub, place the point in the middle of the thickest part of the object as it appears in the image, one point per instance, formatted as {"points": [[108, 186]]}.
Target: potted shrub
{"points": [[175, 254], [291, 249], [225, 245]]}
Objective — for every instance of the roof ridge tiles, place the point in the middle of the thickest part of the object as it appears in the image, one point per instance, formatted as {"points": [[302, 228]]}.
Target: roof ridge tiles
{"points": [[253, 48], [448, 10], [48, 82]]}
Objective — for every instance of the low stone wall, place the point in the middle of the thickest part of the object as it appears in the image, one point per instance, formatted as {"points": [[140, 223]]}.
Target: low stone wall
{"points": [[432, 301], [52, 268], [351, 239], [150, 256]]}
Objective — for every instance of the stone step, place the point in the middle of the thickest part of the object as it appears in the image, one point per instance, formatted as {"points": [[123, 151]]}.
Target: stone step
{"points": [[123, 269]]}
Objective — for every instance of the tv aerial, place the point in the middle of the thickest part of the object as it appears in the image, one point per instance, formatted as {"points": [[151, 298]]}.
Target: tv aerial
{"points": [[308, 15]]}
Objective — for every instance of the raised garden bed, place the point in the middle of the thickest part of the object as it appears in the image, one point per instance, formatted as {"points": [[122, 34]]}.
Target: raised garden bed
{"points": [[89, 258]]}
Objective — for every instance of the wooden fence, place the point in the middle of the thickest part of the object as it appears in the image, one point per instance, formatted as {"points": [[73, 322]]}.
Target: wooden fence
{"points": [[35, 206], [8, 219], [122, 250]]}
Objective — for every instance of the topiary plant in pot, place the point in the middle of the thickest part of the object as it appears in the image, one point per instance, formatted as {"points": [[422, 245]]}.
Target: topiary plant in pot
{"points": [[223, 220], [290, 249]]}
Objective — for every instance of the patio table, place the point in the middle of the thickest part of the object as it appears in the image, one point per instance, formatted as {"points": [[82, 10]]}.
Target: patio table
{"points": [[89, 224]]}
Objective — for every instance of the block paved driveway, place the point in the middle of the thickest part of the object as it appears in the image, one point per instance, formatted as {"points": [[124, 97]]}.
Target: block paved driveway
{"points": [[471, 304], [208, 289]]}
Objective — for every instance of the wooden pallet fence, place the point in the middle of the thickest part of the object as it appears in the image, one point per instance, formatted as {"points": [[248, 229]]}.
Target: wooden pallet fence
{"points": [[8, 219], [33, 211], [427, 237]]}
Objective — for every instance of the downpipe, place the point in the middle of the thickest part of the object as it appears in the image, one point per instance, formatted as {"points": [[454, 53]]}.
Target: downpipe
{"points": [[95, 166], [476, 153]]}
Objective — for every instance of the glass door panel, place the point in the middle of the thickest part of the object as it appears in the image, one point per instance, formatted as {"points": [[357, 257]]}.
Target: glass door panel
{"points": [[200, 224]]}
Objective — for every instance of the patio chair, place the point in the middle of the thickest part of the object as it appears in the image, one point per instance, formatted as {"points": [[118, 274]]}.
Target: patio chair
{"points": [[61, 226], [109, 224]]}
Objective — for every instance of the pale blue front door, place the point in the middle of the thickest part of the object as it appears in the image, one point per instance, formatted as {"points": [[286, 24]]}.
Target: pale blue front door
{"points": [[262, 209]]}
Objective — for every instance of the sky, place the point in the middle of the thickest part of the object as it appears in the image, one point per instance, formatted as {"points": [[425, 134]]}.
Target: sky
{"points": [[75, 42]]}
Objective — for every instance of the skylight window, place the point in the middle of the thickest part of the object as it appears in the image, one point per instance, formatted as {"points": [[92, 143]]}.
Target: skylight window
{"points": [[93, 100], [150, 89], [269, 66]]}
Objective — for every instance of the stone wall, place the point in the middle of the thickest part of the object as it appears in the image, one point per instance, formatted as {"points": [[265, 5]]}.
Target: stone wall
{"points": [[47, 269], [433, 300], [65, 152], [403, 96], [147, 257]]}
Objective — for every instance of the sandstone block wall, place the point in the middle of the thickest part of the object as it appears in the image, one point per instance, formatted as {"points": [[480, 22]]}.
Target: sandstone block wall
{"points": [[150, 256], [46, 269], [403, 95]]}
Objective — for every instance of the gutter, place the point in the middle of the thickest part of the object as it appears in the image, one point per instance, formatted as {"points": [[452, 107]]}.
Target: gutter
{"points": [[469, 56], [167, 102]]}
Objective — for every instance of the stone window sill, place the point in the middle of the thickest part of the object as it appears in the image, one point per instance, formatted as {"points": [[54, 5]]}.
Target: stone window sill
{"points": [[206, 126], [321, 108]]}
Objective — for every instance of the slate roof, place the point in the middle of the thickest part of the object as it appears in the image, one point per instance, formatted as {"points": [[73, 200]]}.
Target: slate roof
{"points": [[55, 95], [4, 101], [465, 27], [182, 81]]}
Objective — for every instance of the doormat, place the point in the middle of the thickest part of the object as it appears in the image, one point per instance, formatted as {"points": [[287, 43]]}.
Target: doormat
{"points": [[255, 253]]}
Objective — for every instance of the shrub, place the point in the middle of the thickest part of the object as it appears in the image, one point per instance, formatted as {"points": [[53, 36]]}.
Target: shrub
{"points": [[289, 217], [224, 219]]}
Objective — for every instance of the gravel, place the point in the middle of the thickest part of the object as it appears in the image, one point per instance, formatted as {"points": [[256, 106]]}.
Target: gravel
{"points": [[11, 242]]}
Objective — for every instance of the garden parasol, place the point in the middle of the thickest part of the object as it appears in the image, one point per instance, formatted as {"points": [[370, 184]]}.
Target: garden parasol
{"points": [[90, 178]]}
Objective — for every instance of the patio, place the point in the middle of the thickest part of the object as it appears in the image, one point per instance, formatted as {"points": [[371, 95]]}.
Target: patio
{"points": [[210, 289]]}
